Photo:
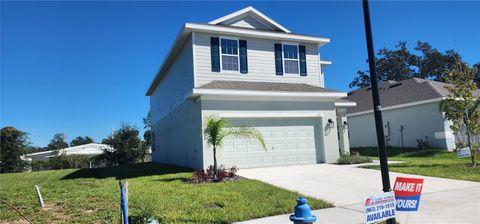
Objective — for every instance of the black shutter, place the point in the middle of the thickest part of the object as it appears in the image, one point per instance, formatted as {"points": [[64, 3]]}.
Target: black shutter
{"points": [[243, 56], [303, 61], [215, 54], [278, 59]]}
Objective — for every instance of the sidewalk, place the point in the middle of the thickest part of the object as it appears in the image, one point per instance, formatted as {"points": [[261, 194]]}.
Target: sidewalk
{"points": [[462, 209], [442, 201]]}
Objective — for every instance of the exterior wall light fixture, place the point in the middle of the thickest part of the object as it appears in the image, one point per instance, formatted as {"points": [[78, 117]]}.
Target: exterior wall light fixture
{"points": [[331, 124]]}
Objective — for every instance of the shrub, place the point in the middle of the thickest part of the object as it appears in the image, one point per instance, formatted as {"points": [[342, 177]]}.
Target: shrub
{"points": [[144, 216], [355, 158], [63, 162], [423, 144], [40, 166], [233, 171], [223, 174], [199, 176], [69, 161]]}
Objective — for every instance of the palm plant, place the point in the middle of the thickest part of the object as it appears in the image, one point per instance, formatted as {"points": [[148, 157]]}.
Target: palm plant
{"points": [[217, 129]]}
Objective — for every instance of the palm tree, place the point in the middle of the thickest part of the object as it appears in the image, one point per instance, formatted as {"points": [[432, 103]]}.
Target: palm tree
{"points": [[217, 129]]}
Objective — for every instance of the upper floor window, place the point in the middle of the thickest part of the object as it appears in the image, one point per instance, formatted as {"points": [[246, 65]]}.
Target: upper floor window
{"points": [[290, 59], [229, 54]]}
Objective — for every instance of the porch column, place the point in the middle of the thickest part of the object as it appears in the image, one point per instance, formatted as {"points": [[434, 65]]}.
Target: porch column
{"points": [[343, 130], [330, 137]]}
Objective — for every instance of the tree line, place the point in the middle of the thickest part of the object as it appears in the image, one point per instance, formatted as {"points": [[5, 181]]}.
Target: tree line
{"points": [[424, 62], [126, 147]]}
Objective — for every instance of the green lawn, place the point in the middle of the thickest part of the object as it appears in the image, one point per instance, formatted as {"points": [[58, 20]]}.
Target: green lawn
{"points": [[429, 162], [92, 196]]}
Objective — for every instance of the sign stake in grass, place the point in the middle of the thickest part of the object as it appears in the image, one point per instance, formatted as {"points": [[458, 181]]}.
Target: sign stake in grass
{"points": [[39, 195], [123, 203]]}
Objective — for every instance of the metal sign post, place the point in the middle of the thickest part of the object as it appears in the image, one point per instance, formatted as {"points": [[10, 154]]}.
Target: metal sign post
{"points": [[382, 153]]}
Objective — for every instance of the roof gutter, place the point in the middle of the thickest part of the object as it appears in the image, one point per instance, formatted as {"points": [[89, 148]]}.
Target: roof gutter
{"points": [[255, 33], [399, 106], [223, 92], [345, 104]]}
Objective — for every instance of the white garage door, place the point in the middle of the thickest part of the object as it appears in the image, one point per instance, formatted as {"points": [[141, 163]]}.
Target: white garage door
{"points": [[289, 142]]}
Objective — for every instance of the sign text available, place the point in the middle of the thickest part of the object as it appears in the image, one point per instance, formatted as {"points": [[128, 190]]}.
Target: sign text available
{"points": [[379, 207]]}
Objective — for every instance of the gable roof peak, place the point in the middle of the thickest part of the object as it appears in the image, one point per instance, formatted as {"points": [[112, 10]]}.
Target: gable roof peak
{"points": [[250, 11]]}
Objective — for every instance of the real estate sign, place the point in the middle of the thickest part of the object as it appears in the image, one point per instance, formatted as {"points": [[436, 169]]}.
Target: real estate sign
{"points": [[407, 193], [379, 207], [464, 152]]}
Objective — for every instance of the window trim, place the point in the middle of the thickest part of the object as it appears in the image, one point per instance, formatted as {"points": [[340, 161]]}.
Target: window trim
{"points": [[298, 57], [238, 54]]}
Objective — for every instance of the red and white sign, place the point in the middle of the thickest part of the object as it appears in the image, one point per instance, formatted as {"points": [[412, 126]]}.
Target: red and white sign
{"points": [[379, 207], [407, 193]]}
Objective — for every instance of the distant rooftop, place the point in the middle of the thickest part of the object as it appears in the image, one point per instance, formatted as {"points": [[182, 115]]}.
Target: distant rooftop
{"points": [[394, 93]]}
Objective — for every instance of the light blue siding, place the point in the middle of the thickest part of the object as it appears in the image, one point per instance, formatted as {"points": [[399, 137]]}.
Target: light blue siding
{"points": [[261, 63], [178, 137], [177, 83], [419, 122]]}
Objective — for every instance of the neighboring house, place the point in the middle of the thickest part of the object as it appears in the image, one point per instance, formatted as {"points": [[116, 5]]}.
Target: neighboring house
{"points": [[410, 110], [253, 71], [91, 149]]}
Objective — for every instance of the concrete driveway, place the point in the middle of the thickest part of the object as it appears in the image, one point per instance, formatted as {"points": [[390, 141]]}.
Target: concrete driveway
{"points": [[442, 200]]}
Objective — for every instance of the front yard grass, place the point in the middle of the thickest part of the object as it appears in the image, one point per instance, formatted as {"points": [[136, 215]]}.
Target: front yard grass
{"points": [[92, 196], [427, 162]]}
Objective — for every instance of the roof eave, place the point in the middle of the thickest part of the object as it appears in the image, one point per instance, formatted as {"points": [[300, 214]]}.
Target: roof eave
{"points": [[256, 33], [345, 104], [177, 44], [252, 10], [403, 105], [228, 92]]}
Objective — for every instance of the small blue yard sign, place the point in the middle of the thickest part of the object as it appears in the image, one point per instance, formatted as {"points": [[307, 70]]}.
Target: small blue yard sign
{"points": [[464, 152]]}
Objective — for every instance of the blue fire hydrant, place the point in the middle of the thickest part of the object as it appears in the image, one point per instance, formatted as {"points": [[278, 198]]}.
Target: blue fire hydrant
{"points": [[303, 214]]}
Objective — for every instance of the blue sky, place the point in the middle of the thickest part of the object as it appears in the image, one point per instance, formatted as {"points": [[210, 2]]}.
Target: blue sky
{"points": [[82, 68]]}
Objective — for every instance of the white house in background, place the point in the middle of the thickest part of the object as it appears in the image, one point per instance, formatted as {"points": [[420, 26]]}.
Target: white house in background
{"points": [[91, 149], [411, 111], [253, 71]]}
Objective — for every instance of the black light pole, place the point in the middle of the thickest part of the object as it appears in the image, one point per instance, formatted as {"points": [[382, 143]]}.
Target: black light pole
{"points": [[382, 153]]}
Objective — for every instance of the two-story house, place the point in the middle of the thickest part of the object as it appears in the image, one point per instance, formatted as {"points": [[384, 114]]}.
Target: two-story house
{"points": [[253, 71]]}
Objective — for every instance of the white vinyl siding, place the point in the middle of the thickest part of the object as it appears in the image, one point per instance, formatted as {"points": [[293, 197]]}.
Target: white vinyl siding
{"points": [[261, 63], [177, 82], [249, 22], [428, 121]]}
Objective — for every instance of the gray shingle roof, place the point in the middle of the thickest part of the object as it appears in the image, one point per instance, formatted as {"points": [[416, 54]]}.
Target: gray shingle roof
{"points": [[343, 100], [264, 86], [398, 92]]}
